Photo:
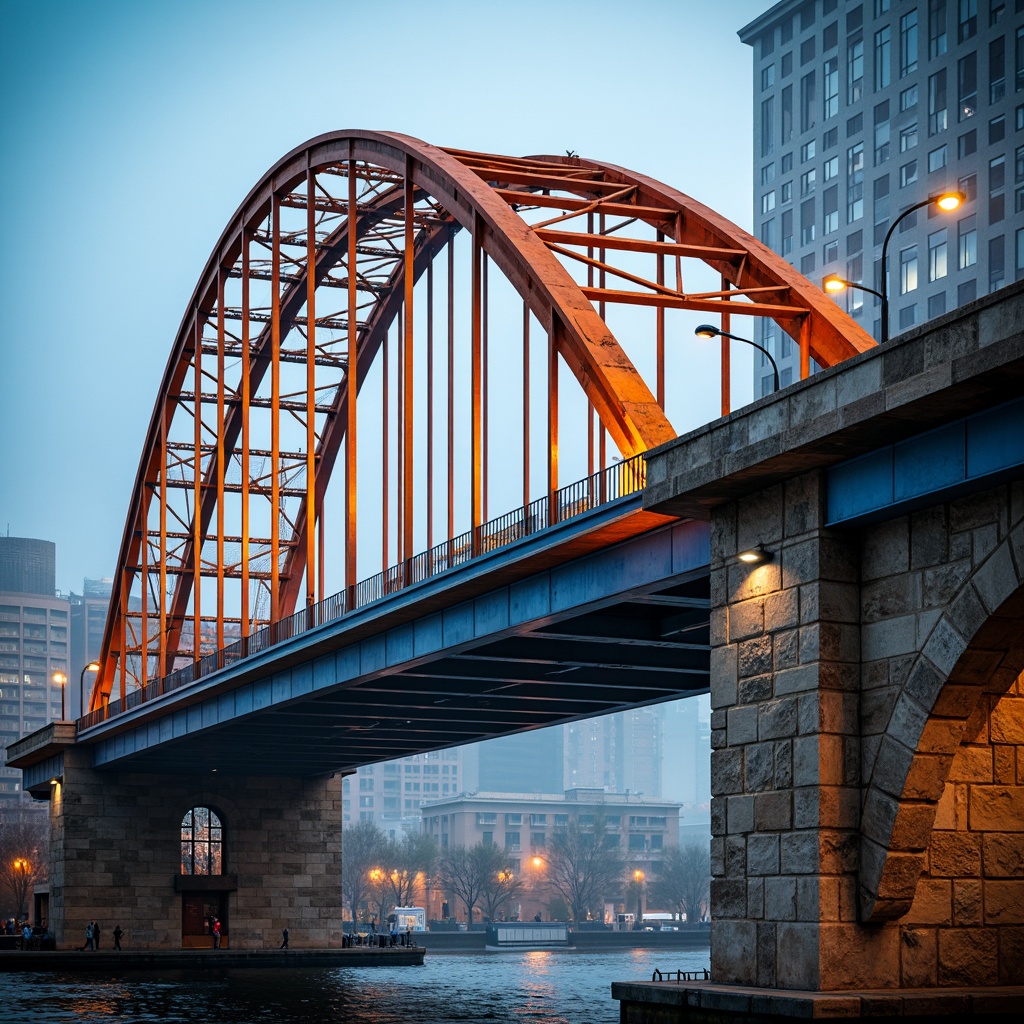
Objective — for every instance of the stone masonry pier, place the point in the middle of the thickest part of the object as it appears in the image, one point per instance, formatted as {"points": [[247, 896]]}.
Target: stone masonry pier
{"points": [[866, 679]]}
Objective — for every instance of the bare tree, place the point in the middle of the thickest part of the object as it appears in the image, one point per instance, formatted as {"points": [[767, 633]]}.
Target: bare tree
{"points": [[583, 867], [362, 846], [501, 886], [407, 865], [684, 881], [24, 857], [467, 872]]}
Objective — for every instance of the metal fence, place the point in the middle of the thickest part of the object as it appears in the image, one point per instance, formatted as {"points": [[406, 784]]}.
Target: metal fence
{"points": [[617, 481]]}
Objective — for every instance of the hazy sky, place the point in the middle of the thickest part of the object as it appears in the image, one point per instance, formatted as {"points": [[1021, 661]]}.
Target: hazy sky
{"points": [[131, 132]]}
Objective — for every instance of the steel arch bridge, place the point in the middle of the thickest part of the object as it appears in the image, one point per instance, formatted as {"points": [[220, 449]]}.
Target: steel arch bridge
{"points": [[338, 333]]}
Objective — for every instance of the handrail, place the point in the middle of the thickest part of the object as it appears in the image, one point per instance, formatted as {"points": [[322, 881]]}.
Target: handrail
{"points": [[680, 976], [607, 485]]}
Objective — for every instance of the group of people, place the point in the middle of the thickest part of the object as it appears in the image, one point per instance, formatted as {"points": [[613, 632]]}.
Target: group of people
{"points": [[92, 936]]}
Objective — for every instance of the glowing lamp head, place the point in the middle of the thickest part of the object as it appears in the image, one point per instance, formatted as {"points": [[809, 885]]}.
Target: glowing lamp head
{"points": [[93, 666], [951, 201], [833, 285], [706, 331], [753, 556], [59, 678]]}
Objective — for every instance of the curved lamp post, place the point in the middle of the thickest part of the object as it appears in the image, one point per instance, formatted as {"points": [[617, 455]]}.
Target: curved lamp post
{"points": [[61, 680], [708, 331], [947, 202], [93, 666]]}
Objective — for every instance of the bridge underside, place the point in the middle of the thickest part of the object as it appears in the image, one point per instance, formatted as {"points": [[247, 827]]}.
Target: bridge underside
{"points": [[618, 628]]}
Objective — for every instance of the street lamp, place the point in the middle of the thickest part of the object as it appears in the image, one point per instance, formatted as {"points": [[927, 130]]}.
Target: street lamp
{"points": [[21, 871], [638, 878], [708, 331], [93, 666], [947, 202], [61, 680]]}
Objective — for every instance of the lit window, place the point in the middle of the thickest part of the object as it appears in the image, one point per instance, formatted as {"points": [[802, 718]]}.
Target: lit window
{"points": [[202, 843]]}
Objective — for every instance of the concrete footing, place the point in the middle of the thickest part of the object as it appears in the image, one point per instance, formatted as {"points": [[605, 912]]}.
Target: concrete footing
{"points": [[695, 1002]]}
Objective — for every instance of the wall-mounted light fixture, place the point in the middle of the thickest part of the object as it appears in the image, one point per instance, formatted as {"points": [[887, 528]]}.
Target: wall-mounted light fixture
{"points": [[754, 556]]}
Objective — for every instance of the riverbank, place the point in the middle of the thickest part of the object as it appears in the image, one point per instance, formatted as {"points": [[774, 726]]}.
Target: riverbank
{"points": [[586, 940], [108, 961]]}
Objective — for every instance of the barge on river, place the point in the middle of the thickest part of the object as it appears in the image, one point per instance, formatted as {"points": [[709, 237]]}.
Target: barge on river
{"points": [[518, 935]]}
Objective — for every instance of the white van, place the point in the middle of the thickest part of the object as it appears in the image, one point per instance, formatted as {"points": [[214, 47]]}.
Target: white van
{"points": [[410, 919]]}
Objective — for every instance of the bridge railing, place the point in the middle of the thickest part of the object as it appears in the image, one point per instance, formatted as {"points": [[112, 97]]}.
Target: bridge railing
{"points": [[617, 481]]}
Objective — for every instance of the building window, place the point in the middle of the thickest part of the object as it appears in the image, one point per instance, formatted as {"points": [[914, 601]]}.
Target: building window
{"points": [[202, 843], [908, 43], [908, 98], [996, 189], [768, 202], [967, 19], [936, 305], [908, 174], [1018, 61], [908, 316], [1019, 250], [908, 137], [787, 120], [830, 210], [996, 263], [937, 38], [967, 144], [997, 129], [883, 71], [855, 296], [936, 159], [830, 253], [512, 841], [807, 151], [807, 102], [807, 264], [968, 184], [908, 269], [881, 142], [996, 70], [937, 255], [937, 118], [831, 168], [786, 192], [767, 126], [854, 69], [967, 242], [768, 78], [787, 63], [830, 82], [807, 180], [787, 232], [768, 174], [967, 86], [855, 183]]}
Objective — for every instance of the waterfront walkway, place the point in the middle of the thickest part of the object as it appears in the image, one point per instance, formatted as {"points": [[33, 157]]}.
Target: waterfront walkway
{"points": [[208, 959]]}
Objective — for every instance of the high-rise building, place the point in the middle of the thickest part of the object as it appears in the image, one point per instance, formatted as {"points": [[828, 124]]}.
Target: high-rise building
{"points": [[528, 762], [88, 618], [686, 775], [34, 644], [862, 110]]}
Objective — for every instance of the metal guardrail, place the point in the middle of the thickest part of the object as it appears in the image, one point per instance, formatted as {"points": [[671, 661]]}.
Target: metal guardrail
{"points": [[617, 481], [680, 976]]}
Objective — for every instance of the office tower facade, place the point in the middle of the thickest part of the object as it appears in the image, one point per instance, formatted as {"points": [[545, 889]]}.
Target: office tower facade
{"points": [[34, 644], [88, 618], [862, 110]]}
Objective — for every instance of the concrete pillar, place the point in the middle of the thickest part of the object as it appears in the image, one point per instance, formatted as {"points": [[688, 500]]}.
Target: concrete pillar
{"points": [[785, 748], [116, 856]]}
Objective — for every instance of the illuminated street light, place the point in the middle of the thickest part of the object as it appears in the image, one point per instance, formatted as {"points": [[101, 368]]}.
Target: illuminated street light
{"points": [[61, 680], [947, 202], [709, 331], [93, 666], [638, 878]]}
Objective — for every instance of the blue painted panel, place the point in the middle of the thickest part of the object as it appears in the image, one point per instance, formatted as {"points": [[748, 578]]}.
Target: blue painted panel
{"points": [[153, 735], [691, 547], [347, 663], [529, 600], [179, 724], [324, 672], [458, 624], [929, 462], [210, 717], [491, 612], [995, 439], [428, 634], [262, 695], [281, 686], [860, 485], [243, 700], [400, 643], [373, 654], [302, 679], [165, 730], [225, 707]]}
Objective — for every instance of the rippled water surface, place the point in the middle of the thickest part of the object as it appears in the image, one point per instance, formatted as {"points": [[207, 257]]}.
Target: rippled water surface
{"points": [[502, 988]]}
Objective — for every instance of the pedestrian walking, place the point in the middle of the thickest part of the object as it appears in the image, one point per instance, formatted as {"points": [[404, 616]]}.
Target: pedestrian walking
{"points": [[88, 937], [117, 937], [284, 944], [26, 935], [95, 935], [216, 933]]}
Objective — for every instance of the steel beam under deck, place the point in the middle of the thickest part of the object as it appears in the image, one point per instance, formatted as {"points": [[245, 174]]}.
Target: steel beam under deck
{"points": [[617, 628]]}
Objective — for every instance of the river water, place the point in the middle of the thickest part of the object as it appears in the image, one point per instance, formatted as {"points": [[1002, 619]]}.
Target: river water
{"points": [[500, 988]]}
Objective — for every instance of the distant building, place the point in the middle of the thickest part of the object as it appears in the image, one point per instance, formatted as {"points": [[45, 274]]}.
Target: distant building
{"points": [[860, 111], [34, 644], [88, 619], [686, 767], [528, 762], [524, 824], [390, 793]]}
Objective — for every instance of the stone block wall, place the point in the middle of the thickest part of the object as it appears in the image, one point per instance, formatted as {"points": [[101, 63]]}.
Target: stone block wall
{"points": [[115, 853], [966, 924], [845, 673]]}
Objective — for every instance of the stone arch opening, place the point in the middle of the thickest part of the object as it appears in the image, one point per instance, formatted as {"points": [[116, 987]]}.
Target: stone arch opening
{"points": [[957, 711]]}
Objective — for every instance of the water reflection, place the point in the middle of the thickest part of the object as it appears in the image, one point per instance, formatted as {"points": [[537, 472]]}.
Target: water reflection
{"points": [[505, 988]]}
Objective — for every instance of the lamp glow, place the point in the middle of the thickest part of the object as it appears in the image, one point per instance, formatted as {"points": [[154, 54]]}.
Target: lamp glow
{"points": [[753, 556]]}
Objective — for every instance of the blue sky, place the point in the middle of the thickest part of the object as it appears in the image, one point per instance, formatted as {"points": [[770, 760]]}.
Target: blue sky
{"points": [[132, 131]]}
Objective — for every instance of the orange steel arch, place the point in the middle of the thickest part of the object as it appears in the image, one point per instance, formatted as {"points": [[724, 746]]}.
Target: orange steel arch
{"points": [[399, 187]]}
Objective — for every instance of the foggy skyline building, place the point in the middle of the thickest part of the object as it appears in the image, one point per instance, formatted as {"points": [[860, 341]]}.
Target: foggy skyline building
{"points": [[88, 619], [34, 644], [862, 110]]}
